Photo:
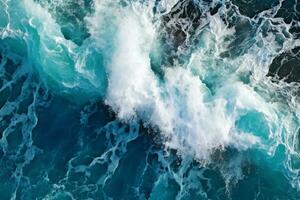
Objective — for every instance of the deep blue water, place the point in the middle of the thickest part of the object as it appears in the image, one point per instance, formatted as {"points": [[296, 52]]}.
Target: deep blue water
{"points": [[149, 99]]}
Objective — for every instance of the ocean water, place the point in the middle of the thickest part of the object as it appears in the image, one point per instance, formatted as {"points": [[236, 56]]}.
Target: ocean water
{"points": [[149, 99]]}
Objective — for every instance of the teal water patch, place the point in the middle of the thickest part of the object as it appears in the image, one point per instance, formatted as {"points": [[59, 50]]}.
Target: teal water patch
{"points": [[254, 123]]}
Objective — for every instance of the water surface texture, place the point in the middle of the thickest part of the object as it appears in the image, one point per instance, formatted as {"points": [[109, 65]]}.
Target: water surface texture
{"points": [[149, 99]]}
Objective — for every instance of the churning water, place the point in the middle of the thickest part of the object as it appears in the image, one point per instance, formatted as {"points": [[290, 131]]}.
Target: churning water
{"points": [[149, 99]]}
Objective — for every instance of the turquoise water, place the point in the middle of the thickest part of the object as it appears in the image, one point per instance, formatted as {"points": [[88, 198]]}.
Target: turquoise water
{"points": [[149, 99]]}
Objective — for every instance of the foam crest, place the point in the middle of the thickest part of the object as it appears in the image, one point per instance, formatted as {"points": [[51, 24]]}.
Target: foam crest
{"points": [[190, 119], [132, 84]]}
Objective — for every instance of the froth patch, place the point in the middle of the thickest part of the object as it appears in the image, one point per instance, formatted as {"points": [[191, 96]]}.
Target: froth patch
{"points": [[189, 117]]}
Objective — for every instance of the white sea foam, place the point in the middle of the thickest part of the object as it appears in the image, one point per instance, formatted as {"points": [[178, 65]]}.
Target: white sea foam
{"points": [[189, 117]]}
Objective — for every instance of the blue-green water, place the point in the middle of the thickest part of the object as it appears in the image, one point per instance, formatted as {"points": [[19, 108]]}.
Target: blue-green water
{"points": [[149, 99]]}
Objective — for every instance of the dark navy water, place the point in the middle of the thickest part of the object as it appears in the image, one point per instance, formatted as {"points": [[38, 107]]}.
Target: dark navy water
{"points": [[149, 99]]}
